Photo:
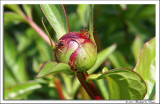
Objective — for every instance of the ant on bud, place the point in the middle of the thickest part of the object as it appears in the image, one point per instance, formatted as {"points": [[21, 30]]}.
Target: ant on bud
{"points": [[85, 32]]}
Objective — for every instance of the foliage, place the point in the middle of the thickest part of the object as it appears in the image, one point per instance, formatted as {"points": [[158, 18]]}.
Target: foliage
{"points": [[120, 32]]}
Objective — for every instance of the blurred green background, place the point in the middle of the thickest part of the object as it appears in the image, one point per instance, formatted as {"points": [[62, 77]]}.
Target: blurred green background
{"points": [[129, 26]]}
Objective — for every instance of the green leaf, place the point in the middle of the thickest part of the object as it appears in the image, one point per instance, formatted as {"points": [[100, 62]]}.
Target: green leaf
{"points": [[102, 56], [19, 69], [53, 67], [11, 17], [49, 36], [102, 84], [138, 28], [66, 95], [20, 90], [75, 86], [146, 65], [152, 95], [56, 17], [118, 60], [10, 51], [132, 10], [27, 8], [9, 80], [150, 11], [15, 8], [82, 13], [44, 51], [17, 64], [90, 9], [91, 21], [136, 47], [124, 84], [74, 22], [36, 65], [67, 81], [25, 40], [92, 77]]}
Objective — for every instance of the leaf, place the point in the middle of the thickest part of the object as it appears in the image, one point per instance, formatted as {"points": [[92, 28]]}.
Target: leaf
{"points": [[132, 10], [53, 67], [19, 69], [90, 9], [10, 51], [25, 40], [67, 82], [16, 63], [75, 86], [82, 13], [74, 22], [66, 95], [138, 28], [15, 8], [102, 56], [136, 47], [9, 80], [150, 11], [44, 51], [91, 21], [56, 17], [118, 60], [36, 65], [146, 65], [124, 84], [11, 17], [49, 36], [152, 95], [103, 87], [20, 90], [92, 77], [83, 94], [27, 8]]}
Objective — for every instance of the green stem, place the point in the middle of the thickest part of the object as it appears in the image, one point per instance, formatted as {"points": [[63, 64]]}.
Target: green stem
{"points": [[89, 87]]}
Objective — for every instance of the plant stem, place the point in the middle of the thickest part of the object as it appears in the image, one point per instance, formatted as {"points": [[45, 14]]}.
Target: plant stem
{"points": [[66, 17], [58, 86], [39, 30], [89, 87]]}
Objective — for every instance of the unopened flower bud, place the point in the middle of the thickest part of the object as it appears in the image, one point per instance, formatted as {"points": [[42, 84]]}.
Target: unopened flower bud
{"points": [[77, 50]]}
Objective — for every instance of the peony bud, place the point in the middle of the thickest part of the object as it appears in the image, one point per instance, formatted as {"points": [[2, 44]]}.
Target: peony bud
{"points": [[77, 50]]}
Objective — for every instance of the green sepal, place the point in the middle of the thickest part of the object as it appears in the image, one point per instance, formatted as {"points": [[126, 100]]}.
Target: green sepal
{"points": [[54, 67]]}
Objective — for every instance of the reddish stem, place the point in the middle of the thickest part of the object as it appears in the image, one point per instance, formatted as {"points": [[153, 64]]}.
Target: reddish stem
{"points": [[39, 30], [58, 86], [89, 87], [66, 17]]}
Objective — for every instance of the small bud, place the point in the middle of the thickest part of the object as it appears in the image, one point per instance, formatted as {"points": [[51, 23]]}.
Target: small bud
{"points": [[77, 50]]}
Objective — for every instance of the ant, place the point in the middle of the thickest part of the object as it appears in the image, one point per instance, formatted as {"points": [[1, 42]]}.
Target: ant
{"points": [[60, 44], [85, 32], [72, 65]]}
